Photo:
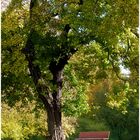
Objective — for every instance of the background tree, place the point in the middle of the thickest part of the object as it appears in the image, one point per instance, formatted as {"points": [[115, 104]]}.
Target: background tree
{"points": [[112, 95], [39, 37], [116, 104]]}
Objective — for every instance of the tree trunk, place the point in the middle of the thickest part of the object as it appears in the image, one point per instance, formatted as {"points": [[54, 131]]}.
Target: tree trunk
{"points": [[52, 101], [54, 109], [54, 124]]}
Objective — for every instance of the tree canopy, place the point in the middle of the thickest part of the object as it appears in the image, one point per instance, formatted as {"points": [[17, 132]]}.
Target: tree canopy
{"points": [[70, 44]]}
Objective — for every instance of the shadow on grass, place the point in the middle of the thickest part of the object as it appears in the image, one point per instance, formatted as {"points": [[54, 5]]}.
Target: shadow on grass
{"points": [[37, 138], [30, 138]]}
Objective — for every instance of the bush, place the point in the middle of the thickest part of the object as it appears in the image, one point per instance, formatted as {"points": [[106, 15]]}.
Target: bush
{"points": [[19, 123]]}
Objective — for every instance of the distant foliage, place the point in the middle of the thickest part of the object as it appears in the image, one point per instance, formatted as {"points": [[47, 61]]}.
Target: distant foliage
{"points": [[116, 104]]}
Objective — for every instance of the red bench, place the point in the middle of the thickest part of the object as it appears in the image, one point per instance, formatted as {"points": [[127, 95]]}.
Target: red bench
{"points": [[96, 135]]}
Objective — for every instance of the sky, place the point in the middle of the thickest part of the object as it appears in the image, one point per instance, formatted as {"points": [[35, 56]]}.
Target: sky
{"points": [[124, 71], [4, 4]]}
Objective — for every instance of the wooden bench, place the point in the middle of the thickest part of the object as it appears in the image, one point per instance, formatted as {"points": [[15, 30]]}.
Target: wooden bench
{"points": [[96, 135]]}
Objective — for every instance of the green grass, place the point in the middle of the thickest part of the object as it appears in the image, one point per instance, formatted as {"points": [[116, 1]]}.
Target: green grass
{"points": [[88, 124]]}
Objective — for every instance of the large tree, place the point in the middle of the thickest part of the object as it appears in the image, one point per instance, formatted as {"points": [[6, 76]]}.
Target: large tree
{"points": [[40, 36]]}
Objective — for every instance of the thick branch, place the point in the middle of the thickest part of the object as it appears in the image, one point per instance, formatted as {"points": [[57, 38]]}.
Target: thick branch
{"points": [[64, 54], [30, 56], [135, 33], [29, 51], [80, 2], [57, 65]]}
